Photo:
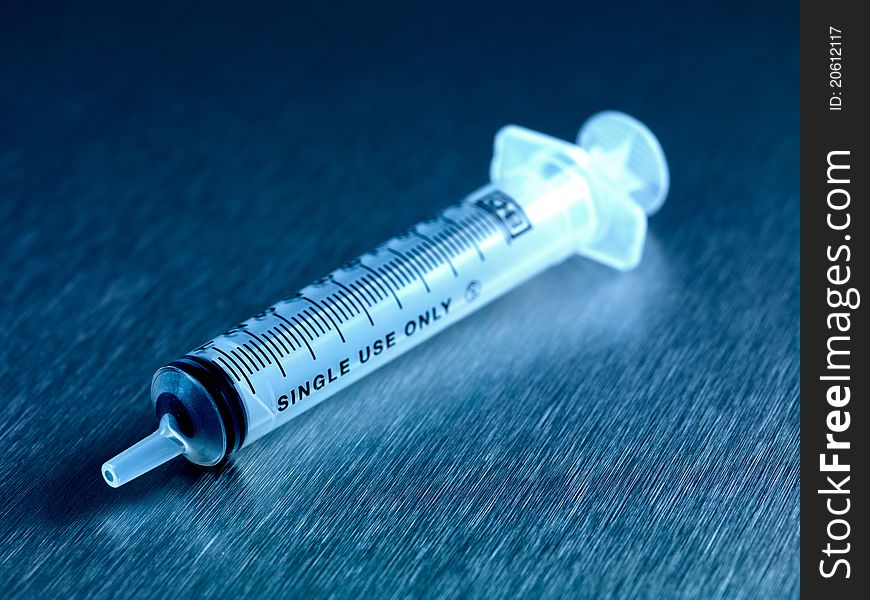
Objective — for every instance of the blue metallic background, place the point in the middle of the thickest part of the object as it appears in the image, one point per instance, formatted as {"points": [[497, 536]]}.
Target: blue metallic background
{"points": [[167, 171]]}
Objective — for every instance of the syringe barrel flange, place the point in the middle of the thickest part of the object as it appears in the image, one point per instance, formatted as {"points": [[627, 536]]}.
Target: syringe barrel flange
{"points": [[615, 175]]}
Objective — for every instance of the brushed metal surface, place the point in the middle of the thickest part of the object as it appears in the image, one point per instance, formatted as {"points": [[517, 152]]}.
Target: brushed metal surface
{"points": [[166, 172]]}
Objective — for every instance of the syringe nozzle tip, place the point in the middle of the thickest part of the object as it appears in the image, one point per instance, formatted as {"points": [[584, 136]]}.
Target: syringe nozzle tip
{"points": [[110, 475], [140, 458]]}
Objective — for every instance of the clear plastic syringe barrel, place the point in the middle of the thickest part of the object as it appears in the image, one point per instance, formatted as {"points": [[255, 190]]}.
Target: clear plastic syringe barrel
{"points": [[302, 350], [547, 201]]}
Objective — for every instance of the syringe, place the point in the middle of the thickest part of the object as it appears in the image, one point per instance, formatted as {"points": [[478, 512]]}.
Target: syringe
{"points": [[547, 200]]}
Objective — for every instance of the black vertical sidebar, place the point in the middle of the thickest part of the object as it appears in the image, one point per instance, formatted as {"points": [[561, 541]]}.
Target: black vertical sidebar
{"points": [[835, 221]]}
